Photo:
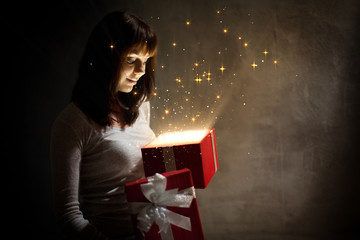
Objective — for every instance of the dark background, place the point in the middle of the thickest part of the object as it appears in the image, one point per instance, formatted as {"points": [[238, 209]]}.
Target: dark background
{"points": [[287, 133]]}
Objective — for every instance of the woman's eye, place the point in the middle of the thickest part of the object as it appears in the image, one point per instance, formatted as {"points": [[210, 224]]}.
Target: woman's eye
{"points": [[130, 60]]}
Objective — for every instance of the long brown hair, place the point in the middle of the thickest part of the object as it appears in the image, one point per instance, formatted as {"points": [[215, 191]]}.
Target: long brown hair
{"points": [[116, 35]]}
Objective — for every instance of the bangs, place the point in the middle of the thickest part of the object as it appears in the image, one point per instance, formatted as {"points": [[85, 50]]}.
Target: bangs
{"points": [[144, 41], [147, 47]]}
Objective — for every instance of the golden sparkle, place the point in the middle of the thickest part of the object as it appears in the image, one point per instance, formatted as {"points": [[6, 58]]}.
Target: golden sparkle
{"points": [[111, 46], [187, 23], [266, 52], [222, 69], [225, 30], [254, 65], [166, 111], [198, 79], [174, 44], [275, 61], [246, 44], [208, 76]]}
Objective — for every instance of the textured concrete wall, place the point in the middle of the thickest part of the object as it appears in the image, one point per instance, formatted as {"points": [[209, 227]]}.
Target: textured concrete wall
{"points": [[285, 131]]}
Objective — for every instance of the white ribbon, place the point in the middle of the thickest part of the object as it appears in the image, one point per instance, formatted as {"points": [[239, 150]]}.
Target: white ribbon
{"points": [[156, 211]]}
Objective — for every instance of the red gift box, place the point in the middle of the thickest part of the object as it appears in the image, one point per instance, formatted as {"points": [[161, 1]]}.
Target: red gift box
{"points": [[164, 206], [195, 150]]}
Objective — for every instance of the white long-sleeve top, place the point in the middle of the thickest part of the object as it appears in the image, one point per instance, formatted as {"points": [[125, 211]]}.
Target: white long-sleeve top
{"points": [[90, 166]]}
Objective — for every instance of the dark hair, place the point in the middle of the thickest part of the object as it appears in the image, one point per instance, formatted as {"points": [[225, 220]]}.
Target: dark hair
{"points": [[116, 35]]}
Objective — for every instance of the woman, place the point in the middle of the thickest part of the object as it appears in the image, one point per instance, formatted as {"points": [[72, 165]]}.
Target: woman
{"points": [[96, 140]]}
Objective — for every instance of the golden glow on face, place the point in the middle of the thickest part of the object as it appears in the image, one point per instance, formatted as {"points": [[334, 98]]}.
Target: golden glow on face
{"points": [[131, 70]]}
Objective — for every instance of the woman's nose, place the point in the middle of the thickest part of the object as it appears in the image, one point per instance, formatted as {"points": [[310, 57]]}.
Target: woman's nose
{"points": [[139, 68]]}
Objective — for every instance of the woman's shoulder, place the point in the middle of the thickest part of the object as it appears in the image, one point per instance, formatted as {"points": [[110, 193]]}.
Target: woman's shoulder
{"points": [[145, 106], [144, 110], [71, 116]]}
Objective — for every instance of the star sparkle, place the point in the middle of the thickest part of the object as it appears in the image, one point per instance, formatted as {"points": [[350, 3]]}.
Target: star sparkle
{"points": [[222, 69], [254, 65], [198, 79]]}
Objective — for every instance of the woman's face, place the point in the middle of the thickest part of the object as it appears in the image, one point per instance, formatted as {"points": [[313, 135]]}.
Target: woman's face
{"points": [[131, 69]]}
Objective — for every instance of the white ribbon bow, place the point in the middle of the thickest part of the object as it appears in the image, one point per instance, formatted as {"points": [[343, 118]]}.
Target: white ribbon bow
{"points": [[156, 211]]}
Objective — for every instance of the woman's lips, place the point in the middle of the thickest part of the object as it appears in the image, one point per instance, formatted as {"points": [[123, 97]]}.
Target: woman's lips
{"points": [[132, 81]]}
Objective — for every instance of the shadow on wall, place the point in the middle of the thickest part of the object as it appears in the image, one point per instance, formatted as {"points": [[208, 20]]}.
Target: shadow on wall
{"points": [[326, 117]]}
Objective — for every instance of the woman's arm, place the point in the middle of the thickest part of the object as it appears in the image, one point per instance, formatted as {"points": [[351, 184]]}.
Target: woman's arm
{"points": [[65, 153]]}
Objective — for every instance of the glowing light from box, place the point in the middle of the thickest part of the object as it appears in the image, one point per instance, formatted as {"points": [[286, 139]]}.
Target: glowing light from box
{"points": [[195, 98], [178, 138]]}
